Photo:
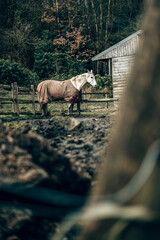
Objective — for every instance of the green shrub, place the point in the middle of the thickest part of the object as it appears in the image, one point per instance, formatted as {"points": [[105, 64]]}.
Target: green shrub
{"points": [[104, 82], [13, 72], [50, 65]]}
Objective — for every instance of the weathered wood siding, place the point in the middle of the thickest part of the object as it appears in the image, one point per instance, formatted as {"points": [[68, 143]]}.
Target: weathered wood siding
{"points": [[121, 67], [121, 55], [128, 48]]}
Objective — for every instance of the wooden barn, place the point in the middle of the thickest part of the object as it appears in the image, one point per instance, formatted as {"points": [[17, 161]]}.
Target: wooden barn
{"points": [[119, 59]]}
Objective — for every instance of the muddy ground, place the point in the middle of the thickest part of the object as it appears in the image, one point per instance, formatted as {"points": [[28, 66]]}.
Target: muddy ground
{"points": [[64, 156], [80, 139]]}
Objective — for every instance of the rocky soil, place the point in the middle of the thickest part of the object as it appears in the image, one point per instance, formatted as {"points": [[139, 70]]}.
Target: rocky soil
{"points": [[63, 157]]}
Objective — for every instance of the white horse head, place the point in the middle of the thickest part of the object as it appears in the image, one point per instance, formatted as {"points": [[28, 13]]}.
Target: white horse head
{"points": [[91, 79], [79, 81]]}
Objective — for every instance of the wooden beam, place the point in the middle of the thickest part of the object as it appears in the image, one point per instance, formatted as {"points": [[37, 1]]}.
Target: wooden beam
{"points": [[33, 100], [100, 100], [16, 98], [13, 98]]}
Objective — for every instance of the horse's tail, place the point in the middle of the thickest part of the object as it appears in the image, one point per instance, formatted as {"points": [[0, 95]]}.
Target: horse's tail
{"points": [[42, 92], [39, 91]]}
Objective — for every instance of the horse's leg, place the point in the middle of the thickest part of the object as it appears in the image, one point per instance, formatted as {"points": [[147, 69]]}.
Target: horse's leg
{"points": [[39, 107], [70, 109], [62, 109], [44, 109], [78, 108]]}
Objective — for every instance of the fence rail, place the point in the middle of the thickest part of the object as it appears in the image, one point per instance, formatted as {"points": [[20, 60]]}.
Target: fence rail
{"points": [[100, 100], [12, 96]]}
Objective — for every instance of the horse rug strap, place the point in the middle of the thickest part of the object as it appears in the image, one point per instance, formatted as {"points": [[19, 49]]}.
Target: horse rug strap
{"points": [[52, 90]]}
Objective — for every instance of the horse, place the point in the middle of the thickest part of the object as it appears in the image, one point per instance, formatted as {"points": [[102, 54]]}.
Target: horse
{"points": [[68, 90]]}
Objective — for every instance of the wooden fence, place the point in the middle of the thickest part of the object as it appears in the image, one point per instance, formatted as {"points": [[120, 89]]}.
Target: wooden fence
{"points": [[12, 98], [14, 93]]}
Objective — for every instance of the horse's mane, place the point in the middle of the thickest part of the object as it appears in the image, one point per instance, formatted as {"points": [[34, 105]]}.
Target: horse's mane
{"points": [[78, 77]]}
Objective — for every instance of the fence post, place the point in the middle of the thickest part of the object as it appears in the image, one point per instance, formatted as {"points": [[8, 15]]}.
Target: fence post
{"points": [[16, 99], [107, 102], [79, 103], [106, 93], [13, 98], [85, 97], [33, 99]]}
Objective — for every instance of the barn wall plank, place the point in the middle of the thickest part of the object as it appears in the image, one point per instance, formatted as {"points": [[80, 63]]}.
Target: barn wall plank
{"points": [[121, 67]]}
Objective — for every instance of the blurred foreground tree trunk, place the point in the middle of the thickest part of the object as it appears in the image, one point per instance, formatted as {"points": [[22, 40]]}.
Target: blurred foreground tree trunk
{"points": [[138, 126]]}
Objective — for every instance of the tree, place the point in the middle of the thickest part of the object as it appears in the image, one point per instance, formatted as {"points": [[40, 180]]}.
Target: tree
{"points": [[20, 28], [74, 43], [52, 63]]}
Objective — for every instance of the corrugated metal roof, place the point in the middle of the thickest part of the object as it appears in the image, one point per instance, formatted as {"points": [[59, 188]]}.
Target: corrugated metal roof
{"points": [[98, 56]]}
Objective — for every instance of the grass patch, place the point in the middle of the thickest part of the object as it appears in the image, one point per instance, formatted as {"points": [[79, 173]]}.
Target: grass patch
{"points": [[9, 118]]}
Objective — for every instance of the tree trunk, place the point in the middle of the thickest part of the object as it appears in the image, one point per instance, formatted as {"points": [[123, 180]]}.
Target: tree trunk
{"points": [[137, 128], [96, 25], [57, 10], [101, 19], [108, 21]]}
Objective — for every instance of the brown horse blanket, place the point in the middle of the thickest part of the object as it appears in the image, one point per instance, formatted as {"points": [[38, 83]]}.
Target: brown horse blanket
{"points": [[52, 90]]}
